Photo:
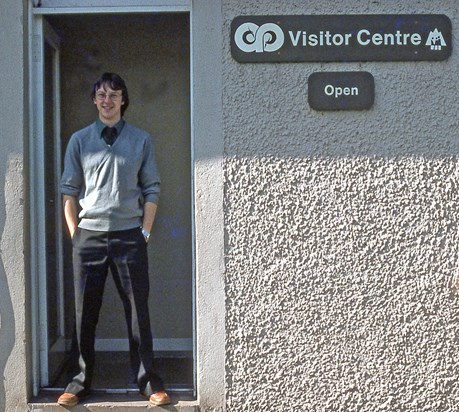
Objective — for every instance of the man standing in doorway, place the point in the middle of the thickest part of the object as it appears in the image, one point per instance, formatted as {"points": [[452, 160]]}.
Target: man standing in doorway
{"points": [[110, 169]]}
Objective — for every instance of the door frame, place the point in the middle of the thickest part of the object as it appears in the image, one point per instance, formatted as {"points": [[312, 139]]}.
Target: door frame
{"points": [[38, 31], [44, 33], [41, 33]]}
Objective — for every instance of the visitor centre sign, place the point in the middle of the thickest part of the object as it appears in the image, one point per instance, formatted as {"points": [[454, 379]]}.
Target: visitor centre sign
{"points": [[341, 38]]}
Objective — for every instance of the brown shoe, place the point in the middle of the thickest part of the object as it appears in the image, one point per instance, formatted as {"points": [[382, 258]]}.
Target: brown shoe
{"points": [[68, 399], [160, 398]]}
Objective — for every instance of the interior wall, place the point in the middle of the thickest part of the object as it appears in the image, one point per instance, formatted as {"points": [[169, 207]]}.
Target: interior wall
{"points": [[151, 52]]}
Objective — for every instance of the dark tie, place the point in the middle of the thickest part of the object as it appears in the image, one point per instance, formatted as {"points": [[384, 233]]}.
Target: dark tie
{"points": [[109, 134]]}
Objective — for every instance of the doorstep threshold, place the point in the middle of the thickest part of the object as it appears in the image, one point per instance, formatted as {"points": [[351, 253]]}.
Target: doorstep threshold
{"points": [[112, 402]]}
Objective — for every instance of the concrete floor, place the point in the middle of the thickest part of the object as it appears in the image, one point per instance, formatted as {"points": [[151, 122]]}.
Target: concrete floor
{"points": [[113, 392]]}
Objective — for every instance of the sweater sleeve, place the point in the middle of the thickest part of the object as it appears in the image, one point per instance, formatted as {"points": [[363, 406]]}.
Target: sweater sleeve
{"points": [[72, 177], [149, 178]]}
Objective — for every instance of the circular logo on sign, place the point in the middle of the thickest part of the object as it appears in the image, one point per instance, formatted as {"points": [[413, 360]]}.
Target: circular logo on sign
{"points": [[250, 37]]}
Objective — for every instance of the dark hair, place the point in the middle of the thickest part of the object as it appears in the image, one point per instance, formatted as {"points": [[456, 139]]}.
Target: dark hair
{"points": [[115, 82]]}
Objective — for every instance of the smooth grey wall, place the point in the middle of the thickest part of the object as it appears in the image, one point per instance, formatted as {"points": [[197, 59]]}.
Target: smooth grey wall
{"points": [[341, 231], [13, 132], [207, 120]]}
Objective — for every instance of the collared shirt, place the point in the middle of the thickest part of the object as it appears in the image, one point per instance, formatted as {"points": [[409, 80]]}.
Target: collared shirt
{"points": [[101, 126]]}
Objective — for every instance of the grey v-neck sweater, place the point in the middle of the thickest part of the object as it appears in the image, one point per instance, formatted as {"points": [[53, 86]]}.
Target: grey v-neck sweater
{"points": [[111, 182]]}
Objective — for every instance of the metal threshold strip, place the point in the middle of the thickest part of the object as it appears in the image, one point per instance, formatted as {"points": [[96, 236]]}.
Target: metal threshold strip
{"points": [[178, 389]]}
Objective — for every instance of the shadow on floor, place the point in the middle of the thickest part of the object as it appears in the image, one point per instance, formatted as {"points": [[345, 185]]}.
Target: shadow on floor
{"points": [[112, 371]]}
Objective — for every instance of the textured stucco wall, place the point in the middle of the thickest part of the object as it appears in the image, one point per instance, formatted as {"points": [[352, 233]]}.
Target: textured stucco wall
{"points": [[341, 231], [13, 376]]}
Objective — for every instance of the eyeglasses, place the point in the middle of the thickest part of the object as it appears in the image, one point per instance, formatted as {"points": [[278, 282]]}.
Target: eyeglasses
{"points": [[112, 96]]}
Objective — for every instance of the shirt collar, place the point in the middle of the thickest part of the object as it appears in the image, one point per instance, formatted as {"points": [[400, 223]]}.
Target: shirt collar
{"points": [[101, 126]]}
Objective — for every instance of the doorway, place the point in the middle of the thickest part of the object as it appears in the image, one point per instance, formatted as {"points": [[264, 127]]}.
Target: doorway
{"points": [[151, 51]]}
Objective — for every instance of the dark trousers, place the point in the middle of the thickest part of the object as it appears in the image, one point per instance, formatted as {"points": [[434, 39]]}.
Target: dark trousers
{"points": [[125, 254]]}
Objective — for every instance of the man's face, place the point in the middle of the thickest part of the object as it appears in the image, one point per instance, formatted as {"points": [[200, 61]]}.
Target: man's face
{"points": [[108, 102]]}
